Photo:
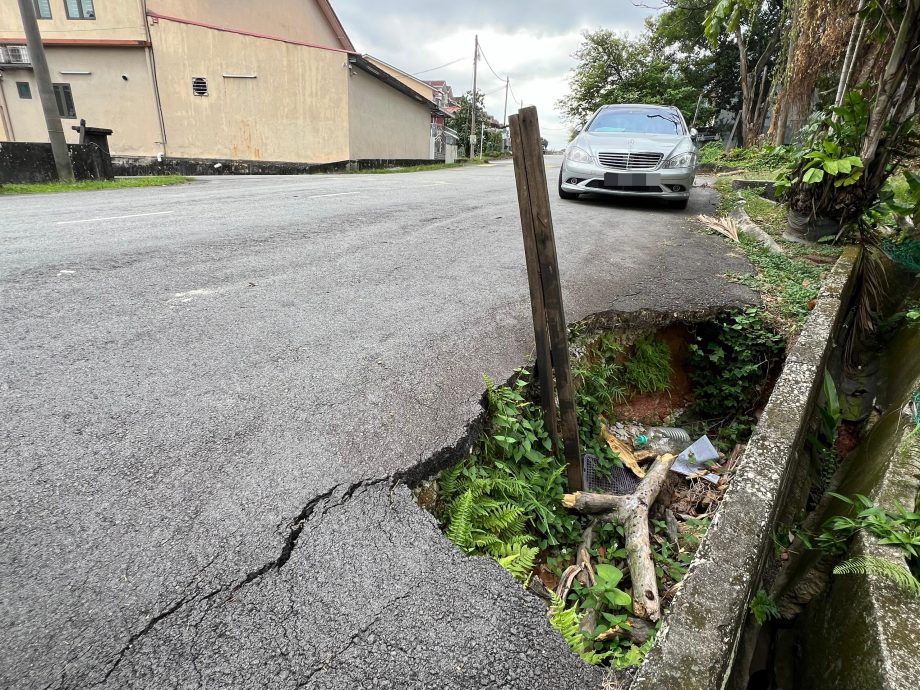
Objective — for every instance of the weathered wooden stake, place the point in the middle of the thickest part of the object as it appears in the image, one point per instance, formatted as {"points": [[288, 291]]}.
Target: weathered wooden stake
{"points": [[550, 329]]}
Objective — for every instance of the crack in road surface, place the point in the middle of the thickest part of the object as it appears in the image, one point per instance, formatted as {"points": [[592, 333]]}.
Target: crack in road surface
{"points": [[295, 529]]}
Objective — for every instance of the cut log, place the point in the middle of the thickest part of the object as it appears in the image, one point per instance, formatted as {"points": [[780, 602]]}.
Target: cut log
{"points": [[632, 512]]}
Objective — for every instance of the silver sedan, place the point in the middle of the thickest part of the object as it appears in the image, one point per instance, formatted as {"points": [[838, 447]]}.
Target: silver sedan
{"points": [[633, 150]]}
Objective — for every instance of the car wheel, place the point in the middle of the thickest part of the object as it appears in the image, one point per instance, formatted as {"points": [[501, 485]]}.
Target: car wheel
{"points": [[680, 203], [564, 194]]}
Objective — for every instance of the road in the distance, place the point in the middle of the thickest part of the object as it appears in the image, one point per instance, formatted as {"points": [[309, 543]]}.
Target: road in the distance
{"points": [[209, 393]]}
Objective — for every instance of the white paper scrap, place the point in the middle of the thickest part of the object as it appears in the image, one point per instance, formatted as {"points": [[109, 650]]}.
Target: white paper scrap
{"points": [[695, 458]]}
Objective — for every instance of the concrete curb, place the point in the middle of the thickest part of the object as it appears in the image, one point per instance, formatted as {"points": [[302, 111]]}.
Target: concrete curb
{"points": [[696, 646], [740, 216]]}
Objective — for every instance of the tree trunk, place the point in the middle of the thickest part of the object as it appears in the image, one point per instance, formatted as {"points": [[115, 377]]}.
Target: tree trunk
{"points": [[747, 133], [781, 110], [852, 49], [891, 79]]}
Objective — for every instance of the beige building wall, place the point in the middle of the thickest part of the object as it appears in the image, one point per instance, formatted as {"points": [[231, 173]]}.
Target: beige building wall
{"points": [[385, 123], [268, 100], [298, 20], [115, 20], [101, 96]]}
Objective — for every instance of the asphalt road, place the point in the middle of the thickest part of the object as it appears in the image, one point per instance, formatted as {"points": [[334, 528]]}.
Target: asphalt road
{"points": [[211, 392]]}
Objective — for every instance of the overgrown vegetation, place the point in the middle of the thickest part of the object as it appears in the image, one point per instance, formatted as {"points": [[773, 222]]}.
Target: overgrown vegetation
{"points": [[899, 528], [753, 158], [732, 361], [93, 185], [505, 500]]}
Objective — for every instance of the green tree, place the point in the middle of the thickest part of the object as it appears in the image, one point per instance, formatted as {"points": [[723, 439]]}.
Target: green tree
{"points": [[460, 122], [619, 68], [748, 23]]}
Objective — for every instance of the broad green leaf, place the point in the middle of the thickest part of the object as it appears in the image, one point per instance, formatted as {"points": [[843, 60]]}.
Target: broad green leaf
{"points": [[813, 176], [618, 597], [610, 574]]}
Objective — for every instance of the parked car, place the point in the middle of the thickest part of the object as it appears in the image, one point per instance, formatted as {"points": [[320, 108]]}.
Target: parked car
{"points": [[634, 150], [707, 134]]}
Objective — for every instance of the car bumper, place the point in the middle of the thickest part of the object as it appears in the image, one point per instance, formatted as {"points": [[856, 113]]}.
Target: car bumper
{"points": [[675, 183]]}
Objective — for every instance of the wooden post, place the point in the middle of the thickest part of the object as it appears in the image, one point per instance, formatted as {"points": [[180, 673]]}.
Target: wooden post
{"points": [[544, 369], [536, 221]]}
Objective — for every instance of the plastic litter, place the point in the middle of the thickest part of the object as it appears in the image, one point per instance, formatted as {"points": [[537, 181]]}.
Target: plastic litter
{"points": [[667, 439], [694, 459]]}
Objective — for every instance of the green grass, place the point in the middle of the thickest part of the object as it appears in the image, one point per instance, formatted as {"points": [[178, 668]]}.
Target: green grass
{"points": [[92, 185], [787, 282], [406, 169]]}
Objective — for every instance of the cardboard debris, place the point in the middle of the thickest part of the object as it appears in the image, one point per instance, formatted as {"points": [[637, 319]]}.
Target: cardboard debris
{"points": [[621, 449]]}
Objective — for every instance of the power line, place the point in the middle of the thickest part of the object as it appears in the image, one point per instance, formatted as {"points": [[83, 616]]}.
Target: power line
{"points": [[482, 52], [446, 64]]}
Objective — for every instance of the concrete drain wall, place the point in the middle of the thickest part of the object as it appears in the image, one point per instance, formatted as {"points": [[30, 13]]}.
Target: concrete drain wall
{"points": [[862, 631], [701, 636]]}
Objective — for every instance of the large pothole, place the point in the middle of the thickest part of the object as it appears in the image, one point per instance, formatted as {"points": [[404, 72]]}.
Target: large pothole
{"points": [[643, 392]]}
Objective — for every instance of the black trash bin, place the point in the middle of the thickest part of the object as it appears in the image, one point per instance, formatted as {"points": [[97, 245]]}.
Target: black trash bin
{"points": [[100, 137]]}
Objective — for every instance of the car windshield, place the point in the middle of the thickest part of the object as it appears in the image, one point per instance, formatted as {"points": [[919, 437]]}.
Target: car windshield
{"points": [[637, 121]]}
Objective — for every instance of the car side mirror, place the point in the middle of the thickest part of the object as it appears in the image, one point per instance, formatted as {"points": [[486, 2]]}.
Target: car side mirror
{"points": [[693, 133], [578, 128]]}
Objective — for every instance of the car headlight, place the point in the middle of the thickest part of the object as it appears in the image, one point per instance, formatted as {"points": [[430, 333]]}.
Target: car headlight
{"points": [[687, 159], [579, 155]]}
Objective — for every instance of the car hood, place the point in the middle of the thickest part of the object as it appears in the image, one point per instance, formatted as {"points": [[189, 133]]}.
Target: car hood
{"points": [[615, 142]]}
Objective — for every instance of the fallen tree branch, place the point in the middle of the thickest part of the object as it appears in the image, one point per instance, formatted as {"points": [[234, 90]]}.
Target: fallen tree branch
{"points": [[638, 632], [632, 512]]}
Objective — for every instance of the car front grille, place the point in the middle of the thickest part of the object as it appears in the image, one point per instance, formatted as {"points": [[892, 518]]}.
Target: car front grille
{"points": [[630, 161]]}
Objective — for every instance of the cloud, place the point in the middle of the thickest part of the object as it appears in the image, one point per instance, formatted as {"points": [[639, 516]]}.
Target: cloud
{"points": [[531, 41]]}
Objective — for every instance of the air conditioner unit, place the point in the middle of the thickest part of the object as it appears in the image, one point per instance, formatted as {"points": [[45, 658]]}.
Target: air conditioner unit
{"points": [[17, 55]]}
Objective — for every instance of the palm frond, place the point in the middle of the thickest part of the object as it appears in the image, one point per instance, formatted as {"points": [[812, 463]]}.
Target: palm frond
{"points": [[724, 226]]}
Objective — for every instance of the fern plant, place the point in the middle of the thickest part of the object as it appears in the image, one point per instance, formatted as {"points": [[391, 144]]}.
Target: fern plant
{"points": [[568, 623], [763, 607], [873, 565], [481, 524]]}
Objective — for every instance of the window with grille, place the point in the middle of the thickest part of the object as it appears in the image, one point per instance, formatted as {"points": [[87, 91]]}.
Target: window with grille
{"points": [[14, 55], [200, 86], [80, 9], [42, 9], [64, 99], [24, 89]]}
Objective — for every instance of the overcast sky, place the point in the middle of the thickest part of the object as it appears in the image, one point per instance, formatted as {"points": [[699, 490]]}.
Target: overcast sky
{"points": [[530, 40]]}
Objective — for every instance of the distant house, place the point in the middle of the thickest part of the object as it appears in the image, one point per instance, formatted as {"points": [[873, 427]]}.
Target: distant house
{"points": [[443, 139], [271, 81]]}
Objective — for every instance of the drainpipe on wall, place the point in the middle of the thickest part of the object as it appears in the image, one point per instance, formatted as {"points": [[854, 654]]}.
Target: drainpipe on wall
{"points": [[152, 67], [9, 134]]}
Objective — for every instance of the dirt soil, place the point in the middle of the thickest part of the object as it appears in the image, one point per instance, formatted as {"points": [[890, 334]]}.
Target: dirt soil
{"points": [[655, 408]]}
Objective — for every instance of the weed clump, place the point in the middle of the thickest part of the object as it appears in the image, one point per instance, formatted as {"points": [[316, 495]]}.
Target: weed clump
{"points": [[732, 362]]}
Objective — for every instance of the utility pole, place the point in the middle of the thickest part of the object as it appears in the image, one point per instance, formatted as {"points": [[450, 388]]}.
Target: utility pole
{"points": [[45, 91], [505, 116], [472, 102]]}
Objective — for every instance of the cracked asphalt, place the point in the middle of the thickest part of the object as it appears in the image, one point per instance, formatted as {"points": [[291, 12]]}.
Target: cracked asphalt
{"points": [[212, 395]]}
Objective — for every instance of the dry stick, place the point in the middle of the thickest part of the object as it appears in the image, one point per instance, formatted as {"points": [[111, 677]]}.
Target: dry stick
{"points": [[632, 512], [582, 568]]}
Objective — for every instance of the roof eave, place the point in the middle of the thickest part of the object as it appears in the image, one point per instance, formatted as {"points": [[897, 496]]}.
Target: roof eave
{"points": [[361, 63]]}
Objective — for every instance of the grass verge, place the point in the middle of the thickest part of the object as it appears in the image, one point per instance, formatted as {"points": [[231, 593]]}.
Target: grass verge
{"points": [[406, 169], [92, 185]]}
